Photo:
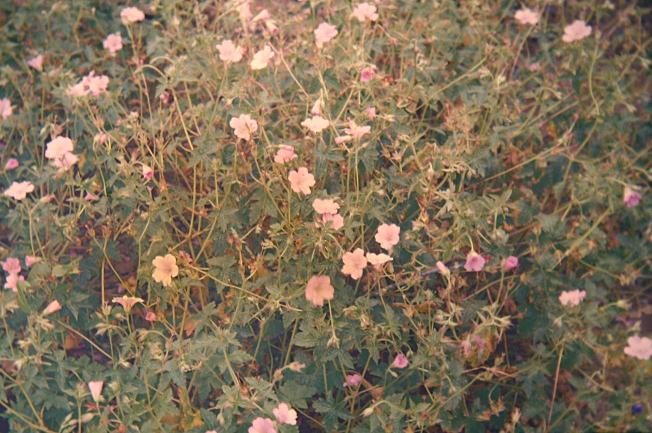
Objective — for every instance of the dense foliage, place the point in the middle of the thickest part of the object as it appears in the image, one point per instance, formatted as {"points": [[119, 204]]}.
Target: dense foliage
{"points": [[401, 216]]}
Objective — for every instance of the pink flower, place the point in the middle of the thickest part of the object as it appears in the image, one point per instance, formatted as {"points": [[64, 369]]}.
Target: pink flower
{"points": [[365, 11], [301, 180], [90, 84], [474, 262], [284, 414], [243, 126], [388, 235], [148, 172], [317, 107], [150, 316], [354, 263], [52, 308], [262, 58], [377, 260], [324, 33], [113, 43], [510, 263], [400, 361], [315, 123], [262, 425], [371, 112], [319, 289], [30, 260], [573, 297], [336, 221], [96, 389], [229, 52], [576, 31], [367, 74], [527, 16], [11, 265], [357, 131], [11, 164], [19, 190], [65, 162], [442, 268], [284, 154], [631, 198], [12, 281], [36, 62], [131, 15], [58, 147], [639, 347], [127, 302], [91, 197], [6, 109], [353, 380], [322, 206], [165, 268]]}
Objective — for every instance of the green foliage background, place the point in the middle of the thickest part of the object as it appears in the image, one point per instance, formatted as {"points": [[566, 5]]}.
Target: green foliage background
{"points": [[472, 148]]}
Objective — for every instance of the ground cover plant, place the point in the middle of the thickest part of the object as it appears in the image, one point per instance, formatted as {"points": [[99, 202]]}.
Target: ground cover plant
{"points": [[325, 216]]}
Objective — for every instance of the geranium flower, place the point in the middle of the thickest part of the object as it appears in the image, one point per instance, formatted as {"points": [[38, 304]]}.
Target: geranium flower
{"points": [[365, 11], [324, 33], [6, 109], [442, 268], [354, 263], [113, 43], [65, 162], [357, 131], [322, 206], [12, 281], [388, 235], [510, 263], [367, 74], [243, 126], [370, 112], [11, 265], [261, 58], [95, 388], [400, 361], [52, 308], [353, 380], [91, 197], [131, 15], [127, 302], [319, 289], [576, 31], [148, 172], [262, 425], [11, 164], [631, 198], [343, 139], [58, 147], [36, 62], [377, 260], [573, 297], [301, 180], [284, 414], [284, 154], [474, 262], [639, 347], [90, 84], [165, 268], [30, 260], [315, 123], [317, 107], [19, 190], [229, 52], [336, 221], [527, 16]]}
